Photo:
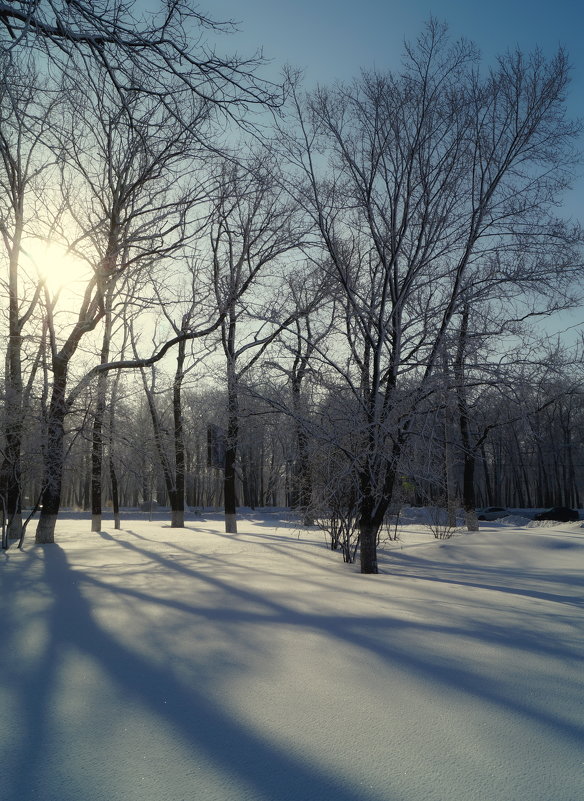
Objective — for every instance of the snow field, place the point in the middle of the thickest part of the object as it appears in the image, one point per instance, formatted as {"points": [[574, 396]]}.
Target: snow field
{"points": [[157, 664]]}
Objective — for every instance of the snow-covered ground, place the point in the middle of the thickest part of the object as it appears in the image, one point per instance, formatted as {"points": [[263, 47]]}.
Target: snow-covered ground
{"points": [[156, 664]]}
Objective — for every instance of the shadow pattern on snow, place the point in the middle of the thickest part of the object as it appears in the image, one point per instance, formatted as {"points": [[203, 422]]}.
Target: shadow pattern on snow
{"points": [[234, 748]]}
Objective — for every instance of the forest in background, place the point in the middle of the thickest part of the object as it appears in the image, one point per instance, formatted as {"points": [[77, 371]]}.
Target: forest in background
{"points": [[219, 291]]}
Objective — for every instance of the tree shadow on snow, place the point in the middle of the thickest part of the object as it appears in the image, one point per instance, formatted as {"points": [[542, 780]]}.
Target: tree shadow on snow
{"points": [[232, 747], [408, 565]]}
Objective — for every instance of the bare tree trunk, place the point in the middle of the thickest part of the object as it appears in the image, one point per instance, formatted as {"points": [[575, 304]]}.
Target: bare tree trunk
{"points": [[177, 513], [112, 438], [177, 496], [115, 493], [98, 420], [90, 314], [54, 456], [370, 515], [488, 478], [301, 475], [368, 546], [468, 491], [468, 449], [14, 410], [22, 122], [229, 478], [368, 526]]}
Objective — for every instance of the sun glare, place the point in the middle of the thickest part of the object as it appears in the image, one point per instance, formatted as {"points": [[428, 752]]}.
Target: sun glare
{"points": [[55, 265]]}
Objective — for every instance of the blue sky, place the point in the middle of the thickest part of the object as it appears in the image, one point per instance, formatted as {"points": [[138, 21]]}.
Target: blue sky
{"points": [[331, 40], [335, 39]]}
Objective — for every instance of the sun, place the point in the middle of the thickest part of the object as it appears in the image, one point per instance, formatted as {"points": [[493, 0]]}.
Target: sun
{"points": [[55, 265]]}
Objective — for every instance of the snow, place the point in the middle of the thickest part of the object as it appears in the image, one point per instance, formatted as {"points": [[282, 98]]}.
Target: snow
{"points": [[158, 664]]}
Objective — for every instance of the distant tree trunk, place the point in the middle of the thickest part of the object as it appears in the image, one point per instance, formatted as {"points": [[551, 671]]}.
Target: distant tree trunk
{"points": [[115, 493], [247, 477], [448, 470], [177, 495], [302, 478], [572, 495], [86, 484], [229, 491], [262, 487], [112, 438], [488, 479], [464, 421], [301, 474]]}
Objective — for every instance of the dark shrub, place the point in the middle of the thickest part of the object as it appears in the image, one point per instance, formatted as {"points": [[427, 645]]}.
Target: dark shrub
{"points": [[560, 513]]}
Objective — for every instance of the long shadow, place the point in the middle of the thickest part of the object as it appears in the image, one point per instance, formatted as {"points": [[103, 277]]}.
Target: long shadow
{"points": [[241, 536], [234, 748], [31, 680], [363, 632], [408, 566], [342, 624], [276, 543]]}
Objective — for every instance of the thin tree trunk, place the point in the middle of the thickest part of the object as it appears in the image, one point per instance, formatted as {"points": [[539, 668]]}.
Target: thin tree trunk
{"points": [[229, 491], [301, 476], [111, 461], [469, 451], [13, 394], [177, 497], [115, 493], [98, 420], [169, 477], [487, 472]]}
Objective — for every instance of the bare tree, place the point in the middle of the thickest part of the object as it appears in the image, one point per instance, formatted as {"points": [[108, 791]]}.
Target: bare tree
{"points": [[298, 359], [128, 180], [254, 224], [192, 298], [166, 48], [437, 177], [27, 121]]}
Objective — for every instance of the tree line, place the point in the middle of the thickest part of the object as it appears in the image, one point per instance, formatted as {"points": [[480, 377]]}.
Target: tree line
{"points": [[345, 286]]}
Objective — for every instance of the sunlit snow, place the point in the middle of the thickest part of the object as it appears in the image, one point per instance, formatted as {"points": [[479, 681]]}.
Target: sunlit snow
{"points": [[158, 664]]}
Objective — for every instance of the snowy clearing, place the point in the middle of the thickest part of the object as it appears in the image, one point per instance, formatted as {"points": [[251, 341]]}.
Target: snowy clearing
{"points": [[156, 664]]}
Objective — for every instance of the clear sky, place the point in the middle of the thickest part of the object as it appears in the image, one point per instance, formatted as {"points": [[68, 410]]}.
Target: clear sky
{"points": [[333, 39]]}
